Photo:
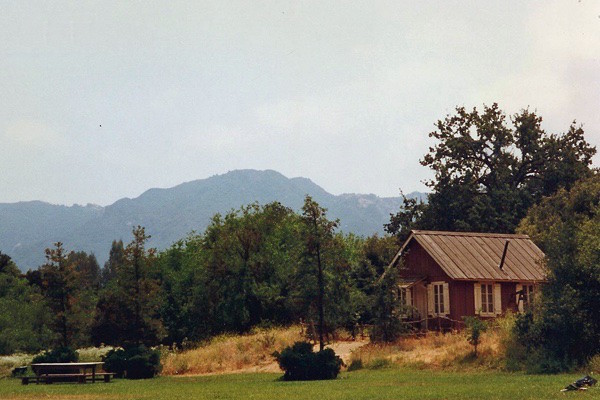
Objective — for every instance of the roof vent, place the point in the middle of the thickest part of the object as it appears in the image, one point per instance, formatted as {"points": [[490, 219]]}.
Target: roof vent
{"points": [[501, 266]]}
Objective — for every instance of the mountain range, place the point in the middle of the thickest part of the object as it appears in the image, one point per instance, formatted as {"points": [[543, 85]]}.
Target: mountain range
{"points": [[27, 228]]}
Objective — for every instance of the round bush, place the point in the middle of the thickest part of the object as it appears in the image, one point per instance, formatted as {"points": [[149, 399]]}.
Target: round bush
{"points": [[300, 363], [136, 362], [58, 355]]}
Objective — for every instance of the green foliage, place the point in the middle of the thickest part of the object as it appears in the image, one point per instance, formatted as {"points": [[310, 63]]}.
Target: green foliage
{"points": [[115, 261], [237, 275], [408, 218], [60, 287], [564, 330], [57, 355], [136, 362], [475, 327], [87, 269], [488, 172], [24, 316], [387, 310], [127, 312], [319, 244], [254, 267], [300, 363]]}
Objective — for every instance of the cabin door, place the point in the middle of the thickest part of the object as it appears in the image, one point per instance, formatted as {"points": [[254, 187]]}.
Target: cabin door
{"points": [[420, 300]]}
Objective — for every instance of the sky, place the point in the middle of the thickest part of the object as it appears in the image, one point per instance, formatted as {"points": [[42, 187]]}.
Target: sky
{"points": [[102, 100]]}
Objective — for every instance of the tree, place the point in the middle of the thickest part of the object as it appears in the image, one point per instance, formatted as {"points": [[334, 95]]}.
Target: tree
{"points": [[128, 309], [409, 218], [115, 261], [24, 315], [387, 308], [234, 276], [318, 234], [565, 329], [87, 269], [59, 287], [7, 266], [489, 173], [475, 327]]}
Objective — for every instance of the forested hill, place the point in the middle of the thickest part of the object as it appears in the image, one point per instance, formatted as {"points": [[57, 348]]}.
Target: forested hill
{"points": [[27, 228]]}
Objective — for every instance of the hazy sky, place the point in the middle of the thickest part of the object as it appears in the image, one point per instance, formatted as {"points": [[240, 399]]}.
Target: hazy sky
{"points": [[102, 100]]}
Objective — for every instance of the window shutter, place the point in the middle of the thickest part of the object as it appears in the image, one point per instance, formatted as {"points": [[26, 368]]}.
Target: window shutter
{"points": [[519, 303], [409, 297], [477, 297], [430, 299], [446, 299], [498, 298]]}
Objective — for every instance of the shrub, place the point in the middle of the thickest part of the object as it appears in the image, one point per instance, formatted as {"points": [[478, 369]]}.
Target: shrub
{"points": [[534, 350], [136, 362], [539, 361], [301, 363], [58, 355], [387, 326], [475, 327]]}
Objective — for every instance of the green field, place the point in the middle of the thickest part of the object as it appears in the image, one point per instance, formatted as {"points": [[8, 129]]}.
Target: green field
{"points": [[364, 384]]}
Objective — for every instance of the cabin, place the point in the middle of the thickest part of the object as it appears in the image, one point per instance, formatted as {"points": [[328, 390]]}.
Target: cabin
{"points": [[445, 276]]}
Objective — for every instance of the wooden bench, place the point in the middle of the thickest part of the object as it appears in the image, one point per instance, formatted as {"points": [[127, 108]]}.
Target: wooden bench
{"points": [[51, 378]]}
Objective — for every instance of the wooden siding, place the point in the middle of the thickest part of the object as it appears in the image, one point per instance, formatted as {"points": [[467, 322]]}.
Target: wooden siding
{"points": [[419, 264], [462, 301]]}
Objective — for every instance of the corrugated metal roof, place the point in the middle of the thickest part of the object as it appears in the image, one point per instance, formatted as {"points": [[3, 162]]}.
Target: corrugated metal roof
{"points": [[476, 256]]}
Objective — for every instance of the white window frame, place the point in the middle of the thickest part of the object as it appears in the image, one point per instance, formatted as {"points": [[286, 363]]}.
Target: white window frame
{"points": [[493, 298], [438, 296], [487, 299]]}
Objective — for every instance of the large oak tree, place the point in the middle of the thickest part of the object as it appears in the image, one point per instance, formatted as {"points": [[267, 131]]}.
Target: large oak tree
{"points": [[488, 171]]}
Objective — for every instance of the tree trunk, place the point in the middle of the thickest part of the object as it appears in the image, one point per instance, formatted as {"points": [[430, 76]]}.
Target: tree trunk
{"points": [[320, 298]]}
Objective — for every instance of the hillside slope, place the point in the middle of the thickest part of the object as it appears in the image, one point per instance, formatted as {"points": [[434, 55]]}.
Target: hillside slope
{"points": [[27, 228]]}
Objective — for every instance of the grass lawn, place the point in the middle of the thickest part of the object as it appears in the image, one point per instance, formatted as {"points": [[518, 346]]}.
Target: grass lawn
{"points": [[364, 384]]}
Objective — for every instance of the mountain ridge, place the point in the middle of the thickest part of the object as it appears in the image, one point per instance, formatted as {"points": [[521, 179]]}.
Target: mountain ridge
{"points": [[169, 214]]}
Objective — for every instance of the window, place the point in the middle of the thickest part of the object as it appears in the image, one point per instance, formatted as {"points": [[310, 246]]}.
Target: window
{"points": [[525, 295], [487, 299], [404, 296], [438, 298]]}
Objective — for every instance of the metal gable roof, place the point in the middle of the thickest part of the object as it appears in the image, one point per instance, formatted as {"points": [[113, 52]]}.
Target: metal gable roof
{"points": [[476, 256]]}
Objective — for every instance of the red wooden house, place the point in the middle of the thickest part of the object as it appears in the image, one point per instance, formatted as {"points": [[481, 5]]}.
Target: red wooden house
{"points": [[447, 275]]}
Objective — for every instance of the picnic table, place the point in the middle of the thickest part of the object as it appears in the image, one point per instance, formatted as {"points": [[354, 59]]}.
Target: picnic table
{"points": [[79, 371]]}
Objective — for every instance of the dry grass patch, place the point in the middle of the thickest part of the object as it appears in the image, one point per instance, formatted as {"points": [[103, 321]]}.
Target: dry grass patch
{"points": [[438, 351], [8, 363], [229, 353]]}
